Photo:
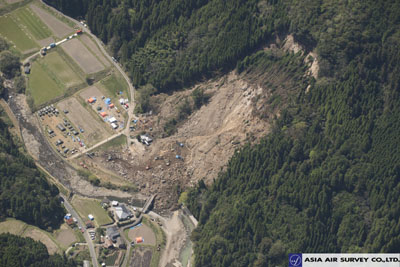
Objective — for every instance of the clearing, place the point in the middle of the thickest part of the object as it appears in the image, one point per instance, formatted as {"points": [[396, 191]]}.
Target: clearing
{"points": [[65, 236], [116, 84], [30, 21], [41, 86], [55, 242], [13, 33], [87, 41], [100, 106], [142, 231], [81, 55], [94, 131], [86, 206], [60, 29], [60, 68]]}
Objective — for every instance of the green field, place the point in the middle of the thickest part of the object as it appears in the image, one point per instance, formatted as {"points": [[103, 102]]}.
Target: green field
{"points": [[88, 206], [41, 86], [10, 30], [35, 26], [114, 84], [55, 64]]}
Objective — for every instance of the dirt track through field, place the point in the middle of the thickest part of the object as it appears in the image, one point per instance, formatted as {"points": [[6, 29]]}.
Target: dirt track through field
{"points": [[85, 59], [59, 28]]}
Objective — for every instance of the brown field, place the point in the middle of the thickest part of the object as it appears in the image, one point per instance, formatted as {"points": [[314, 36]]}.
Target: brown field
{"points": [[145, 232], [92, 46], [85, 59], [59, 28], [51, 123], [42, 237], [94, 131], [12, 226], [65, 236], [93, 91]]}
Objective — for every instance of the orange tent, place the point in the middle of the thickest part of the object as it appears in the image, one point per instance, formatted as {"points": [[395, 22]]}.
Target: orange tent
{"points": [[103, 114], [111, 105], [139, 240]]}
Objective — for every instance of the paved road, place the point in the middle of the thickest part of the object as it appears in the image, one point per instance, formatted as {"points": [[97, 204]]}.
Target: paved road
{"points": [[89, 242]]}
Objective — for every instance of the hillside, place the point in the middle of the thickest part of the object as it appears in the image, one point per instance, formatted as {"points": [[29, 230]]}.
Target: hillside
{"points": [[326, 177], [24, 251]]}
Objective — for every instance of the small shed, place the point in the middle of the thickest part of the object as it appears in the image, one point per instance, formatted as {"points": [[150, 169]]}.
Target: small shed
{"points": [[111, 105], [112, 120], [90, 216], [114, 203], [27, 69], [103, 114], [91, 100], [139, 240], [115, 126]]}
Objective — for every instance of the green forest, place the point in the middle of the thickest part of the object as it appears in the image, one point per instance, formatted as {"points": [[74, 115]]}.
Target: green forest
{"points": [[24, 251], [25, 193], [326, 179]]}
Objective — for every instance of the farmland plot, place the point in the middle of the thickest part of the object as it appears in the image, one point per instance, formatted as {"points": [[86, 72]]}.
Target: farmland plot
{"points": [[60, 29]]}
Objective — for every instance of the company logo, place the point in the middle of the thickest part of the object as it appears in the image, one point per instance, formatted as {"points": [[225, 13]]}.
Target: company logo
{"points": [[295, 260]]}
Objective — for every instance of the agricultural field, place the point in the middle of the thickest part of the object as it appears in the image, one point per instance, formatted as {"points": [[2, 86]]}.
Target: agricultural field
{"points": [[27, 19], [14, 34], [99, 106], [41, 86], [94, 130], [89, 43], [59, 28], [86, 206], [55, 242], [61, 69], [115, 84], [81, 55]]}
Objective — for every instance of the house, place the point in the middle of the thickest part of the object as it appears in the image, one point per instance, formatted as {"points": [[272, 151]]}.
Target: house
{"points": [[112, 233], [114, 203], [120, 243], [27, 69], [122, 213], [112, 120], [145, 139], [115, 126], [108, 243], [70, 221]]}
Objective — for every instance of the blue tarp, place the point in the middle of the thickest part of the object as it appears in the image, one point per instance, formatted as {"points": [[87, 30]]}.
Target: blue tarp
{"points": [[108, 101], [133, 227], [120, 92]]}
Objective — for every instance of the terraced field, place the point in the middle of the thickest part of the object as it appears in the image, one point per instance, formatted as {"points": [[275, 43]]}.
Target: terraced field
{"points": [[41, 86], [25, 17], [10, 30]]}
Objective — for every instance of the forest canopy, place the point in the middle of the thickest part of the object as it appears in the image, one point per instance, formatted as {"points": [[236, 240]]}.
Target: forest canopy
{"points": [[326, 179]]}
